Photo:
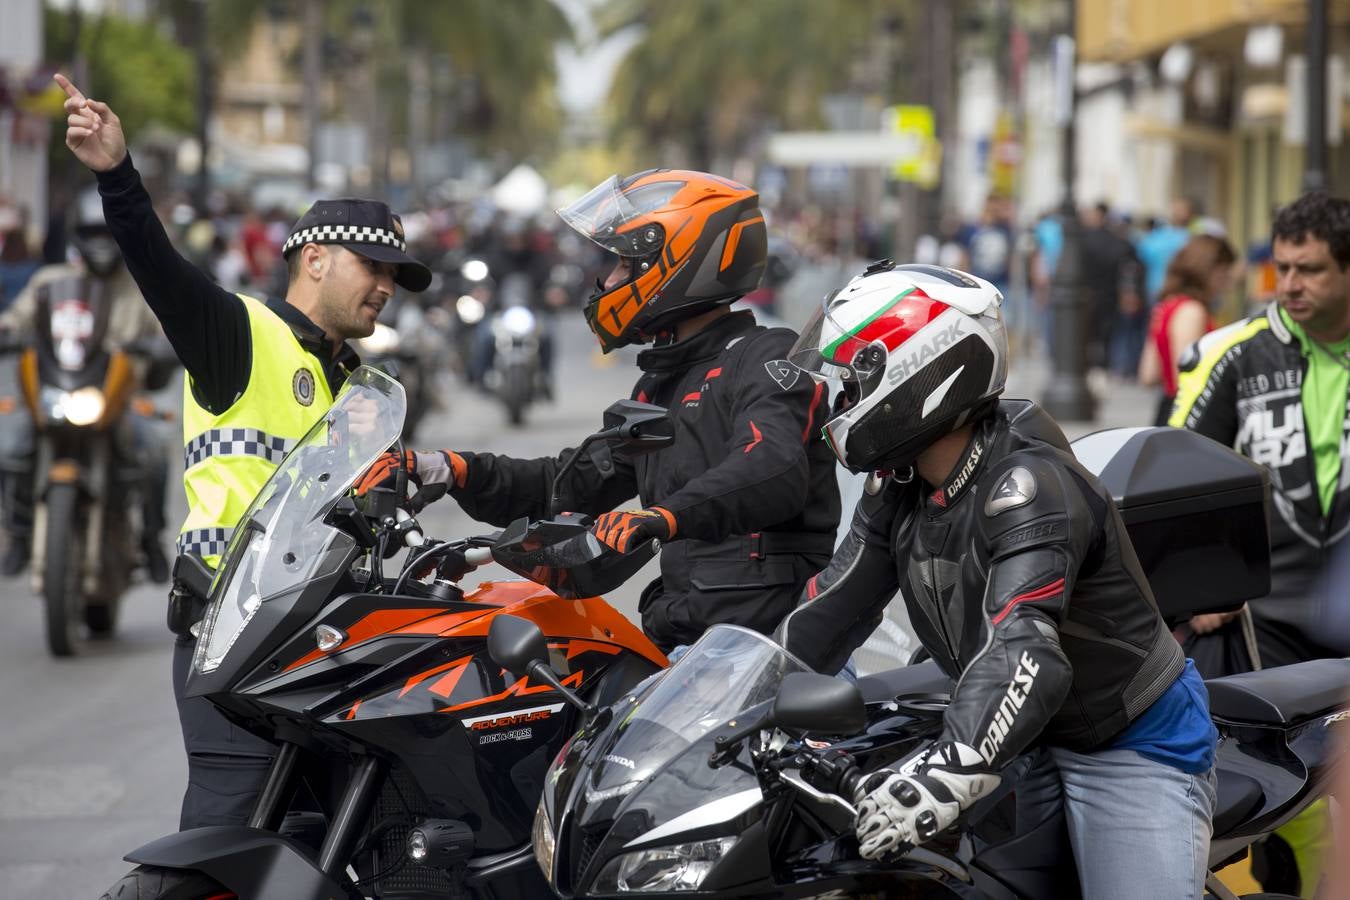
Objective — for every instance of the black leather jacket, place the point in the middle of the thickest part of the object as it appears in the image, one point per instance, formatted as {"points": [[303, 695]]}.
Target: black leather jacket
{"points": [[748, 478], [1019, 580], [1242, 385]]}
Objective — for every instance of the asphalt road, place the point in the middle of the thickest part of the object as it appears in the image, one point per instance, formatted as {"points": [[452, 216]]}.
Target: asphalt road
{"points": [[91, 760]]}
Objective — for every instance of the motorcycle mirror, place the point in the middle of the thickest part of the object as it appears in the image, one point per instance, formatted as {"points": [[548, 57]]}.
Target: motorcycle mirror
{"points": [[638, 426], [807, 701], [518, 646], [514, 643]]}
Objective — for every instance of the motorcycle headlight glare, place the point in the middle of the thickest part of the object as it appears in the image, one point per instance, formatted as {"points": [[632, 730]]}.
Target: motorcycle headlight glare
{"points": [[381, 342], [518, 321], [81, 407], [679, 867], [84, 407], [541, 837], [470, 309]]}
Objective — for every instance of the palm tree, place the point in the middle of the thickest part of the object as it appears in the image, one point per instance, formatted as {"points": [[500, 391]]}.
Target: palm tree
{"points": [[708, 76]]}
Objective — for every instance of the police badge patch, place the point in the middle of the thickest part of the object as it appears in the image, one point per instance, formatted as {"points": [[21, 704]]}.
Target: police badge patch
{"points": [[1017, 488], [783, 372], [302, 385]]}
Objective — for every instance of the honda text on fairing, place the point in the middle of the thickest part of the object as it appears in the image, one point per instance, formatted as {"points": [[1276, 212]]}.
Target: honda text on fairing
{"points": [[409, 765], [734, 773], [80, 395]]}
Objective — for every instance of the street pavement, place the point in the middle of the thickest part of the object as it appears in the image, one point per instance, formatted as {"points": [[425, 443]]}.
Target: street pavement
{"points": [[91, 761]]}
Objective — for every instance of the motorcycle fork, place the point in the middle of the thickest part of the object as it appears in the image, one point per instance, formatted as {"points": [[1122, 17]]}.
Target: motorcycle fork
{"points": [[270, 809], [97, 485], [352, 814]]}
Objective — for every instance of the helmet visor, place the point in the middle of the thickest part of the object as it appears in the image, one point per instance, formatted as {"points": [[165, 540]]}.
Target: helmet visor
{"points": [[613, 217], [830, 351]]}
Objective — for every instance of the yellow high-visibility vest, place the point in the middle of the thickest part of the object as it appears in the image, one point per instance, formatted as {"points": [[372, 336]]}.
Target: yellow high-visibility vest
{"points": [[228, 457]]}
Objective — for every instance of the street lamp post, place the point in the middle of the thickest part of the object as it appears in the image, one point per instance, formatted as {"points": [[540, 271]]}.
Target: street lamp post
{"points": [[1315, 159], [1067, 396]]}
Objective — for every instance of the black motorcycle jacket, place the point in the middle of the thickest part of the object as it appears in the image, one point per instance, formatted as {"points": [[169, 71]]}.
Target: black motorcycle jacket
{"points": [[748, 479], [1241, 385], [1021, 582]]}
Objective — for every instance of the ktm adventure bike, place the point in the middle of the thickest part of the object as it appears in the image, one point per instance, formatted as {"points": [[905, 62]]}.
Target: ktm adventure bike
{"points": [[733, 773], [85, 543], [409, 764]]}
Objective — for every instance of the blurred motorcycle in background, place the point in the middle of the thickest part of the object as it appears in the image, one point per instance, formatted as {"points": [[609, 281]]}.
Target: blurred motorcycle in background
{"points": [[86, 472]]}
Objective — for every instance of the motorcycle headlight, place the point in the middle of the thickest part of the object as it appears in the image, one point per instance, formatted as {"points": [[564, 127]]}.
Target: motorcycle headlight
{"points": [[470, 309], [541, 837], [232, 609], [518, 321], [381, 342], [679, 867], [474, 270], [81, 407]]}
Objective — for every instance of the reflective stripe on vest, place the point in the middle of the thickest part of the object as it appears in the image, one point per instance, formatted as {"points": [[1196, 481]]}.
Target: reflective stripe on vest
{"points": [[236, 442], [205, 541], [230, 456]]}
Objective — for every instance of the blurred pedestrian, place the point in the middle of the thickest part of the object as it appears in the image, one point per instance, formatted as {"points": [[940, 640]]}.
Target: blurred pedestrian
{"points": [[1197, 278], [1159, 244], [267, 370], [18, 262], [1111, 273]]}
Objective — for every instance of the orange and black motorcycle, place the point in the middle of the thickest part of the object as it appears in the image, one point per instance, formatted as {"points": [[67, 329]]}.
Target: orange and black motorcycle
{"points": [[410, 764], [85, 543]]}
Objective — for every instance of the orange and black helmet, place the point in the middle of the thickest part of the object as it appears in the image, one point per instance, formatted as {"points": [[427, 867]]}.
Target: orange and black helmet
{"points": [[693, 241]]}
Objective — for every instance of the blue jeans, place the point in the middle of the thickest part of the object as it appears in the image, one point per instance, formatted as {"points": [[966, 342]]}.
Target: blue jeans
{"points": [[1139, 828]]}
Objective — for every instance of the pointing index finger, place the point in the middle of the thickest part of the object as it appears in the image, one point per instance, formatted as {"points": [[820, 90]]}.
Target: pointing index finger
{"points": [[71, 90]]}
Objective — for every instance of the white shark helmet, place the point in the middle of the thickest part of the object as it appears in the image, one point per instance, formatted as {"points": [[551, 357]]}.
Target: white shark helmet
{"points": [[919, 351]]}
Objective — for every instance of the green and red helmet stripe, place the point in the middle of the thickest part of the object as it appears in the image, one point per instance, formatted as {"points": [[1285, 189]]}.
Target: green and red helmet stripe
{"points": [[893, 324]]}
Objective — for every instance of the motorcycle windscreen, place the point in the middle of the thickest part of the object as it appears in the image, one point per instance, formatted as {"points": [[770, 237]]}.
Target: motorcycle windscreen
{"points": [[283, 540], [728, 671]]}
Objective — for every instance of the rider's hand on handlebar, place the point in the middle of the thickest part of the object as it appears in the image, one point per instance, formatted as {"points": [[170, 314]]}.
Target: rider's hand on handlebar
{"points": [[912, 805], [624, 530], [1208, 622], [424, 467]]}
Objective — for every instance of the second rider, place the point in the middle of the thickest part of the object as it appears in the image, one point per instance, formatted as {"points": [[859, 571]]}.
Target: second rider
{"points": [[745, 498]]}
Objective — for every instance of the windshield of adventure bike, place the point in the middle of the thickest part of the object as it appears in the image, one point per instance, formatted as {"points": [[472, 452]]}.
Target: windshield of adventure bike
{"points": [[728, 671], [283, 540]]}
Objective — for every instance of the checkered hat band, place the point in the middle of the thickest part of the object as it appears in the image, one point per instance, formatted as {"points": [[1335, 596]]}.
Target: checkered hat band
{"points": [[343, 234], [235, 442], [205, 541]]}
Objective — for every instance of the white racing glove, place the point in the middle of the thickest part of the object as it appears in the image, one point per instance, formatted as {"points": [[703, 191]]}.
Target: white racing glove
{"points": [[923, 797]]}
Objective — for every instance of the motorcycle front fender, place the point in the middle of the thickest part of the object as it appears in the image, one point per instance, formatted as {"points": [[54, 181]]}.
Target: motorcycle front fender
{"points": [[251, 862]]}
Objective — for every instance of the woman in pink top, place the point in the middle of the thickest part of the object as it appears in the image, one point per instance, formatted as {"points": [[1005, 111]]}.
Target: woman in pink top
{"points": [[1196, 278]]}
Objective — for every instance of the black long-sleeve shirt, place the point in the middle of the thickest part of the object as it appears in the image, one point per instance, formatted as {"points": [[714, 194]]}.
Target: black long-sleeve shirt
{"points": [[207, 325]]}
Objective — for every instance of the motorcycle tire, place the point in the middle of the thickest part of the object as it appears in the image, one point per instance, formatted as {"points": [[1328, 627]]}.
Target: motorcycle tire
{"points": [[102, 618], [514, 388], [154, 883], [61, 571]]}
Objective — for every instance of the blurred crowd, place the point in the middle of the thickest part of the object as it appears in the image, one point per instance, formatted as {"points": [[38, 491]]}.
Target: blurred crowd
{"points": [[1125, 273]]}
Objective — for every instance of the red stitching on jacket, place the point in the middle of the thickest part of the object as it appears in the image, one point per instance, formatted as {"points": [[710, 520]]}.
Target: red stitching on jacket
{"points": [[754, 429], [1050, 590]]}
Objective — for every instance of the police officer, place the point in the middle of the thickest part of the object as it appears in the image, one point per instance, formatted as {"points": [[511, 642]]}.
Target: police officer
{"points": [[745, 498], [259, 375]]}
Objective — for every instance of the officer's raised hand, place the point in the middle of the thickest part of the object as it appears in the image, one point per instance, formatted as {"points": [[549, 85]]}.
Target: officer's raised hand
{"points": [[93, 131]]}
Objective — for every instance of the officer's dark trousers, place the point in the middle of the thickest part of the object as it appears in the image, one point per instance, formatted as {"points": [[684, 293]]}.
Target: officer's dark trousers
{"points": [[226, 764]]}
